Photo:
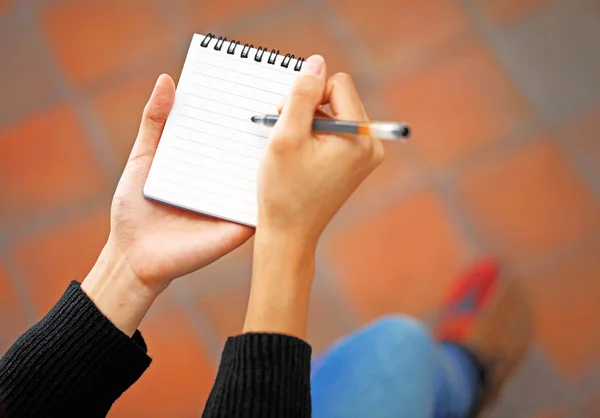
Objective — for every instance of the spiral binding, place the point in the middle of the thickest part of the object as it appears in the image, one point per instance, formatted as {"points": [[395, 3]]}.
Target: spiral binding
{"points": [[245, 52]]}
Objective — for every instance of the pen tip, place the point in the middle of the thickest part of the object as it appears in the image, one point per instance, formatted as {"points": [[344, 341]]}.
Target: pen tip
{"points": [[253, 118], [406, 132]]}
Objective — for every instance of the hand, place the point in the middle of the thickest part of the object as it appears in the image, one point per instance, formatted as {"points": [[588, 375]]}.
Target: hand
{"points": [[303, 181], [305, 178], [150, 243]]}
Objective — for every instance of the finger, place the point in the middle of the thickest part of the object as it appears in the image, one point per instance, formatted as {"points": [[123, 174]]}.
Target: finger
{"points": [[154, 117], [321, 114], [343, 98], [281, 105], [305, 95]]}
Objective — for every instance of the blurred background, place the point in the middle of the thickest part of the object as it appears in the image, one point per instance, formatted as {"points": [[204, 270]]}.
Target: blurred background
{"points": [[504, 100]]}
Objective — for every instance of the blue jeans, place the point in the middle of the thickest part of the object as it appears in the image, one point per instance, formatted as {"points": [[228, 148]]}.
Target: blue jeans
{"points": [[393, 368]]}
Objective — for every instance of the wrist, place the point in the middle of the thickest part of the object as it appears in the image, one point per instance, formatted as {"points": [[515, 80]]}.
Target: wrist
{"points": [[295, 244], [116, 291], [282, 275]]}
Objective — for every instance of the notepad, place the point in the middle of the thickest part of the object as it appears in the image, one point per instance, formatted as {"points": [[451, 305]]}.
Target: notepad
{"points": [[209, 153]]}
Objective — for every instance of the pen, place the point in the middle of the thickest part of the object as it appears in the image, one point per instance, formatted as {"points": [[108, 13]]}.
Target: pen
{"points": [[383, 130]]}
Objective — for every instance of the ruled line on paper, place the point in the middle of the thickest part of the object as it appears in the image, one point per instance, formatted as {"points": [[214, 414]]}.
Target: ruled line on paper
{"points": [[204, 178], [213, 158], [239, 84], [240, 72], [256, 112], [227, 197], [288, 71], [253, 179], [235, 95], [225, 127], [209, 204], [247, 120], [212, 146]]}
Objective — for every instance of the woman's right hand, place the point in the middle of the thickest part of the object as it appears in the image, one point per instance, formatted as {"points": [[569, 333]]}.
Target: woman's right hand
{"points": [[305, 177], [303, 181]]}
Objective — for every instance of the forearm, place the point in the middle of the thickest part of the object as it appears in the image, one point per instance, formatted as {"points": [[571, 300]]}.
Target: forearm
{"points": [[266, 371], [282, 274], [117, 292], [74, 362]]}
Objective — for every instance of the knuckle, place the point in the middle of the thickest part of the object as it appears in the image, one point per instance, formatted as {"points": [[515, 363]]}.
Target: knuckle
{"points": [[342, 78], [366, 145], [306, 89], [378, 151], [281, 144]]}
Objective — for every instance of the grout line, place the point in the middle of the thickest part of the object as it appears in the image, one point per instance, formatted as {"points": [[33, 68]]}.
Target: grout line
{"points": [[176, 19], [16, 281], [203, 330], [325, 274], [555, 258], [32, 226], [467, 232], [16, 115], [8, 25], [586, 173], [202, 327], [96, 136], [254, 20], [344, 34]]}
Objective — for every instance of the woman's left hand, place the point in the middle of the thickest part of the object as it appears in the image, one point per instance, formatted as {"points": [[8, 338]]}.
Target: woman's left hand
{"points": [[150, 243]]}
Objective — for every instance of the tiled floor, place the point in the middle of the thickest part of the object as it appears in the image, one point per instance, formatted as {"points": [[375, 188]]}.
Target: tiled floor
{"points": [[504, 98]]}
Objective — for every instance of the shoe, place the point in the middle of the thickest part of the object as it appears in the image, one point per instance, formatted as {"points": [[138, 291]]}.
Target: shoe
{"points": [[492, 319]]}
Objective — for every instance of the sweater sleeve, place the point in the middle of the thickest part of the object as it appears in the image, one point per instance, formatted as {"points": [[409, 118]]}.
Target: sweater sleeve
{"points": [[74, 362], [262, 375]]}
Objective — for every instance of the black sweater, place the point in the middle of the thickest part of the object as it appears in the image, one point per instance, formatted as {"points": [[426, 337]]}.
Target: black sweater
{"points": [[76, 363]]}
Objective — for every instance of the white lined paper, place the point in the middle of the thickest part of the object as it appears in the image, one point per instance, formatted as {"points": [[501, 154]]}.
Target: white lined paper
{"points": [[209, 153]]}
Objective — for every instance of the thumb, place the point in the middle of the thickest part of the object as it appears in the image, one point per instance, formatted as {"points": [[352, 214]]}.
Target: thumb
{"points": [[305, 95], [154, 118]]}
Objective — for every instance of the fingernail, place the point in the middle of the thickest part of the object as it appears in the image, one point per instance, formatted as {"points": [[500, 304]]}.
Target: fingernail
{"points": [[313, 66]]}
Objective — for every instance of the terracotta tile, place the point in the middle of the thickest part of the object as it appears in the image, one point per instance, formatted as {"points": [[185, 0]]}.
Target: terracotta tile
{"points": [[5, 6], [403, 28], [300, 36], [507, 11], [180, 377], [565, 302], [208, 14], [45, 163], [120, 107], [327, 320], [24, 82], [94, 37], [120, 110], [529, 202], [225, 310], [12, 318], [52, 259], [551, 414], [458, 106], [395, 169], [400, 260]]}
